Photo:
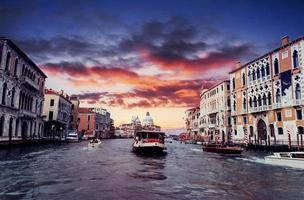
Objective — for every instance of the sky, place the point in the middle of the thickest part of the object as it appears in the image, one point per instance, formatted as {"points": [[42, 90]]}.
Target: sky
{"points": [[135, 56]]}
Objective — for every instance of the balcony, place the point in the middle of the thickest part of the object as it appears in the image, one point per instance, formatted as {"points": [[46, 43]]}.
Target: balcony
{"points": [[26, 113], [297, 102], [28, 82]]}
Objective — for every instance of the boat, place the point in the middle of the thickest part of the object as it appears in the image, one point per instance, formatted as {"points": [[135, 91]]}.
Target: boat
{"points": [[223, 149], [94, 143], [199, 142], [149, 142], [72, 137], [289, 159]]}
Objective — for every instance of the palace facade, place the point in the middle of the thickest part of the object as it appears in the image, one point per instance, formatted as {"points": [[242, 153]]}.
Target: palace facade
{"points": [[21, 94]]}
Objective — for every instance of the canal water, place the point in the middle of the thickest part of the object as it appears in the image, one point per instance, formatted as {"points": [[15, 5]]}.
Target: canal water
{"points": [[112, 171]]}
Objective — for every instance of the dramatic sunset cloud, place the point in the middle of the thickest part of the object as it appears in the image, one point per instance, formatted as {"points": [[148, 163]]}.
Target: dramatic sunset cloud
{"points": [[138, 56]]}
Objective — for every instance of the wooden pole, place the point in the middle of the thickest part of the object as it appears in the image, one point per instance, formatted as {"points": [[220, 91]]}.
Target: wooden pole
{"points": [[289, 140], [298, 142]]}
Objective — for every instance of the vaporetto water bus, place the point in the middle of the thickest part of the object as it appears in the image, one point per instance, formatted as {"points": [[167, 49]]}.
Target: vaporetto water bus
{"points": [[149, 141]]}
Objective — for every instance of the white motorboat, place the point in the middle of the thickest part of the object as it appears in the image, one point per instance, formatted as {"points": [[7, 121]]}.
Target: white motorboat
{"points": [[149, 141], [94, 143], [289, 159], [72, 137]]}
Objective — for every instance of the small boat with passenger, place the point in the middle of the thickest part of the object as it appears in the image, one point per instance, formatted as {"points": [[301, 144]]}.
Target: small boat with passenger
{"points": [[94, 143], [289, 159], [149, 141]]}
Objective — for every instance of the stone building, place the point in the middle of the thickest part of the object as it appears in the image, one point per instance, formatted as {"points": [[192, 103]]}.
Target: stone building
{"points": [[215, 121], [57, 111], [192, 116], [74, 122], [21, 94], [267, 97]]}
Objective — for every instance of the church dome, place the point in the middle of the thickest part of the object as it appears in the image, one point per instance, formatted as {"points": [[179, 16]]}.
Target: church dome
{"points": [[148, 119]]}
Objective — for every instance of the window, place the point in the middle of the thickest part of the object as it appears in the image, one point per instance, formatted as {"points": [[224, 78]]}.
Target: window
{"points": [[263, 71], [244, 81], [8, 60], [267, 69], [249, 76], [89, 117], [228, 102], [295, 59], [250, 102], [72, 107], [269, 98], [235, 132], [88, 126], [253, 74], [244, 103], [233, 83], [4, 93], [260, 100], [16, 67], [52, 102], [234, 105], [245, 120], [300, 130], [264, 100], [255, 102], [298, 91], [13, 97], [229, 121], [228, 87], [280, 131], [279, 116], [51, 115], [251, 131], [276, 66], [258, 73], [299, 114]]}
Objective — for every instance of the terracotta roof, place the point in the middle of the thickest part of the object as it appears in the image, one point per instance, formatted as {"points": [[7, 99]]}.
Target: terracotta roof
{"points": [[61, 94]]}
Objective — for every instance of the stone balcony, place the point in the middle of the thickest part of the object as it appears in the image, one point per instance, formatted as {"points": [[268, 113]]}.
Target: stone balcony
{"points": [[30, 83], [26, 113]]}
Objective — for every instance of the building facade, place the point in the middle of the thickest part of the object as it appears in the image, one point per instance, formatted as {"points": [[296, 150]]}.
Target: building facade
{"points": [[74, 121], [192, 116], [267, 97], [215, 119], [57, 111], [21, 94]]}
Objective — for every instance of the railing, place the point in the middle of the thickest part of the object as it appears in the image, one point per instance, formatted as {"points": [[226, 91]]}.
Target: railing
{"points": [[297, 102], [30, 82]]}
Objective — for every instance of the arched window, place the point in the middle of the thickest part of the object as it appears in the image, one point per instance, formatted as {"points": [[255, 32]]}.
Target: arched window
{"points": [[269, 98], [4, 93], [255, 102], [250, 102], [22, 70], [8, 60], [264, 100], [249, 76], [233, 83], [278, 96], [244, 79], [298, 91], [16, 127], [295, 59], [253, 74], [234, 105], [263, 70], [300, 130], [13, 97], [276, 66], [267, 69], [1, 125], [16, 67], [260, 100], [244, 103], [258, 73]]}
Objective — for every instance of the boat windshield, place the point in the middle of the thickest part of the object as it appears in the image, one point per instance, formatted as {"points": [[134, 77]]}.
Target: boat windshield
{"points": [[151, 135]]}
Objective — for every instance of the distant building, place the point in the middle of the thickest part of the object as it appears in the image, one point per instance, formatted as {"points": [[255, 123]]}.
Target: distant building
{"points": [[215, 119], [21, 94], [148, 123], [57, 111], [74, 113], [192, 116], [94, 122]]}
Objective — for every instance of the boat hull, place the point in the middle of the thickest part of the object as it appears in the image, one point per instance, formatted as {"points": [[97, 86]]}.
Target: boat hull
{"points": [[288, 162], [148, 147], [223, 150]]}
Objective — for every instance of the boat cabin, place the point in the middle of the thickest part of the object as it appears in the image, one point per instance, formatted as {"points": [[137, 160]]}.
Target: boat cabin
{"points": [[150, 136]]}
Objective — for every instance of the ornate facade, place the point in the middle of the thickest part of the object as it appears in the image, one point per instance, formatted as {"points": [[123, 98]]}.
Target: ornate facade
{"points": [[21, 94], [267, 97]]}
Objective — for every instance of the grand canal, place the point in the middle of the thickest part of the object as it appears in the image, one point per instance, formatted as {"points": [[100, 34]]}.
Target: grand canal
{"points": [[72, 171]]}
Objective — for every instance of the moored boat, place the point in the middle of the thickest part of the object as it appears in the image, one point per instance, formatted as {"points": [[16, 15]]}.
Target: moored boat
{"points": [[289, 159], [72, 137], [149, 142], [223, 149]]}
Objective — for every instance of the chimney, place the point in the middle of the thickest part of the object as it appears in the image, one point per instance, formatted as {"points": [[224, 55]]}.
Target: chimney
{"points": [[284, 40]]}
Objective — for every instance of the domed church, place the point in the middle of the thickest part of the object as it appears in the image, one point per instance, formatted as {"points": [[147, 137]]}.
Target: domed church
{"points": [[148, 120]]}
